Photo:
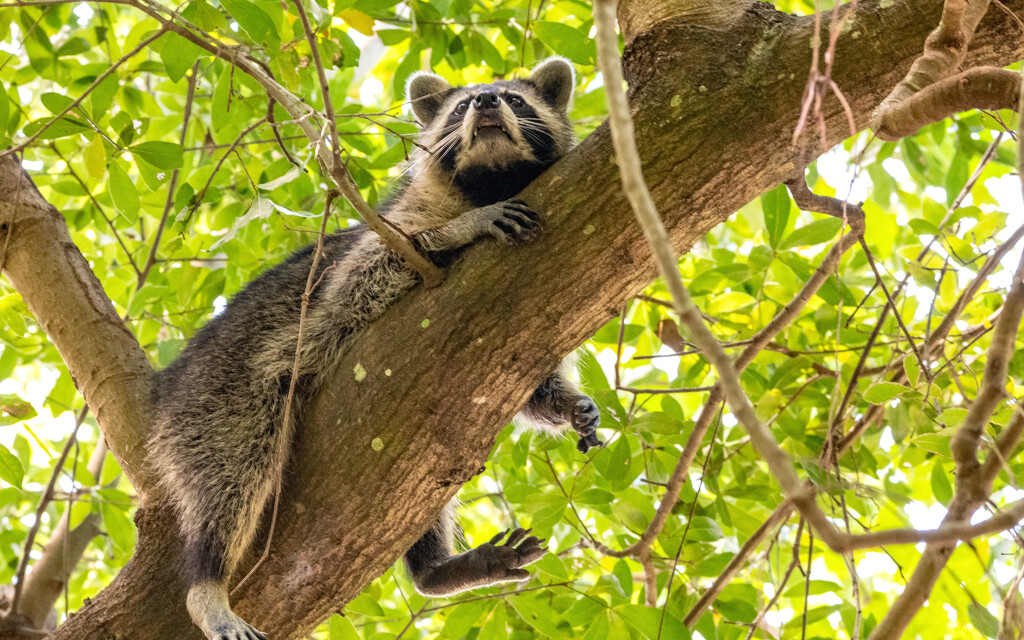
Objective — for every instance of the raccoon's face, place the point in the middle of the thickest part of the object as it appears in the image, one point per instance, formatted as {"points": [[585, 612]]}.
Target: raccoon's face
{"points": [[496, 136]]}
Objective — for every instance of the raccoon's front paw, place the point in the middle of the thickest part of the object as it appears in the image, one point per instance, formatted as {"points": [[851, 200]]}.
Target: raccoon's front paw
{"points": [[504, 562], [585, 419], [512, 222]]}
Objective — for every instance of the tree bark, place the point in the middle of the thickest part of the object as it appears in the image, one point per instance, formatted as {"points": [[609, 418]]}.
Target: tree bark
{"points": [[109, 368], [714, 112]]}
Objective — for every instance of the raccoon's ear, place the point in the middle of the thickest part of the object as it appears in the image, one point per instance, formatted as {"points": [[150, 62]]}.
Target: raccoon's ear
{"points": [[427, 92], [555, 79]]}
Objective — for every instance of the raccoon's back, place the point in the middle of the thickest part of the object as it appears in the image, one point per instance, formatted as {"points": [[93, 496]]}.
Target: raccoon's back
{"points": [[215, 366]]}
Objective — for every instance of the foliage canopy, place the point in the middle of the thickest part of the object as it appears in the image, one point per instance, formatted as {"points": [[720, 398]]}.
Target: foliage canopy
{"points": [[174, 219]]}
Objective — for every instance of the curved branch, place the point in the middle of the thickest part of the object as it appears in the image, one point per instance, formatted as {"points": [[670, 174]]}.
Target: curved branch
{"points": [[977, 88], [506, 315], [107, 364]]}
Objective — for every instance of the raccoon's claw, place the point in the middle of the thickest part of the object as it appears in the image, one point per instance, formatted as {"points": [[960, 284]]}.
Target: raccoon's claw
{"points": [[513, 222], [588, 442], [504, 562], [586, 418], [238, 633]]}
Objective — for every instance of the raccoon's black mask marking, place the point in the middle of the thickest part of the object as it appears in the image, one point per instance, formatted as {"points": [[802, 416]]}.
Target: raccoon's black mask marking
{"points": [[490, 141]]}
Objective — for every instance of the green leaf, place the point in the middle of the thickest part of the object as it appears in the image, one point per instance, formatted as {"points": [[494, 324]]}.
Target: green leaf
{"points": [[953, 417], [102, 96], [566, 41], [341, 628], [613, 463], [162, 155], [986, 623], [883, 392], [56, 103], [255, 21], [5, 112], [736, 610], [703, 529], [538, 614], [651, 623], [168, 350], [912, 368], [96, 157], [123, 192], [66, 126], [13, 409], [775, 205], [496, 627], [73, 47], [956, 177], [659, 422], [11, 470], [366, 605], [178, 55], [358, 20], [463, 618], [815, 233], [221, 106], [941, 486], [206, 17]]}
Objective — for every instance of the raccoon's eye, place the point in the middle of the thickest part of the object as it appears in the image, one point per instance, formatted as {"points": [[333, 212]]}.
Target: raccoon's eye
{"points": [[461, 107], [515, 102]]}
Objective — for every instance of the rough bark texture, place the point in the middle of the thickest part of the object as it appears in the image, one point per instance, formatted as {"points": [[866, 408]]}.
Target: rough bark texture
{"points": [[55, 280], [714, 112]]}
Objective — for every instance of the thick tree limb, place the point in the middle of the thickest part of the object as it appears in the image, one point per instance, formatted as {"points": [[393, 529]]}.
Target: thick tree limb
{"points": [[105, 361], [504, 316]]}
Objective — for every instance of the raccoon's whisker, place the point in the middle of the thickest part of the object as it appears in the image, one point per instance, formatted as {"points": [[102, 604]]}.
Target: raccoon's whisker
{"points": [[439, 151]]}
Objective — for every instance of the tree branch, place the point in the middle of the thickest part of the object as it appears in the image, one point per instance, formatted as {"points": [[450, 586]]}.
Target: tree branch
{"points": [[106, 363], [348, 510]]}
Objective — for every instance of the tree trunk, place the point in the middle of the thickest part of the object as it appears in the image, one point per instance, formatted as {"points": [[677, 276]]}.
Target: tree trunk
{"points": [[714, 111]]}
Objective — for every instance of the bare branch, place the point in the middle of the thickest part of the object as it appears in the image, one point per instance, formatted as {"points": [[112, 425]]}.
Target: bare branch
{"points": [[977, 88], [944, 51]]}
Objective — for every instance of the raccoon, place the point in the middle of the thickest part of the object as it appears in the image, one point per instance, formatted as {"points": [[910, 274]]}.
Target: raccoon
{"points": [[220, 443]]}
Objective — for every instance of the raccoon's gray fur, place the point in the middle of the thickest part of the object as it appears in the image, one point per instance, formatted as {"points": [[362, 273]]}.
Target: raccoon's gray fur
{"points": [[220, 444]]}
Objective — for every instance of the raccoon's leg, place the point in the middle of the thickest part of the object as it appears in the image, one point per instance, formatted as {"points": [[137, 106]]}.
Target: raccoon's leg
{"points": [[558, 401], [221, 489], [508, 221], [437, 572], [207, 599]]}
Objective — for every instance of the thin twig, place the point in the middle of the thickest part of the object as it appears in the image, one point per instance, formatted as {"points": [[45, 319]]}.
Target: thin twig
{"points": [[151, 259], [44, 501], [311, 282]]}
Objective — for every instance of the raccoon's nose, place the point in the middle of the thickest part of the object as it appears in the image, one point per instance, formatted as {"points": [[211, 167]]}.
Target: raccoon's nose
{"points": [[486, 100]]}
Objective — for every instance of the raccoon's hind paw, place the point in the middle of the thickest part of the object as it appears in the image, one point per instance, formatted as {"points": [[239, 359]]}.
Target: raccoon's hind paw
{"points": [[512, 222], [504, 562], [240, 630], [586, 418], [207, 604]]}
